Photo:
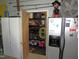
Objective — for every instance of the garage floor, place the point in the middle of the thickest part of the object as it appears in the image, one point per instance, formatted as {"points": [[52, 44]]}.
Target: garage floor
{"points": [[6, 57]]}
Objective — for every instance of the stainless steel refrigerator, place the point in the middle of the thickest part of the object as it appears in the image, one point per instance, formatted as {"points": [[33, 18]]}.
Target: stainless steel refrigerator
{"points": [[62, 40]]}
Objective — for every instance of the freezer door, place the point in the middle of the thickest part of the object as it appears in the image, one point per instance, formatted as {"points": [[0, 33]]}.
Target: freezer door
{"points": [[71, 40]]}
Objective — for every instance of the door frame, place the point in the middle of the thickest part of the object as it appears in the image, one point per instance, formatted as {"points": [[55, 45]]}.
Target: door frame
{"points": [[23, 43]]}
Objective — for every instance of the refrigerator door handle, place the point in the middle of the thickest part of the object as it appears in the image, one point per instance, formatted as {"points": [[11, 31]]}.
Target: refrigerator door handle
{"points": [[62, 40]]}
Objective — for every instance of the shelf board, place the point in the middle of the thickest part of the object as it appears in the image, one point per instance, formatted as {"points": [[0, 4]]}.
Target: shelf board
{"points": [[36, 26], [37, 18], [37, 50]]}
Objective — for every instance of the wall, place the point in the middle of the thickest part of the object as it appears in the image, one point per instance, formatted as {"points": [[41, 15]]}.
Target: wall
{"points": [[13, 11], [2, 7], [68, 8]]}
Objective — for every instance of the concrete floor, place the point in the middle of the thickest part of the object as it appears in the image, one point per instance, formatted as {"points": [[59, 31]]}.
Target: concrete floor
{"points": [[6, 57]]}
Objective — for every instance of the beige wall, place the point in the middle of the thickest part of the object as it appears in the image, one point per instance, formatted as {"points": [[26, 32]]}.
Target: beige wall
{"points": [[13, 10]]}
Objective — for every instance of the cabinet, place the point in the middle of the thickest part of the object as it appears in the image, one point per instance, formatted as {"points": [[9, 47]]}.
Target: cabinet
{"points": [[32, 31]]}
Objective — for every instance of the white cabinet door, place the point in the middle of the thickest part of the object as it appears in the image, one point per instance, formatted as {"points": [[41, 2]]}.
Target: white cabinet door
{"points": [[5, 36], [15, 37], [11, 31]]}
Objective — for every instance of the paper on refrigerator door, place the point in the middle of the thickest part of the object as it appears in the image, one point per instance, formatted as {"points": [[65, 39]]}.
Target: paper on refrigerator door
{"points": [[55, 26]]}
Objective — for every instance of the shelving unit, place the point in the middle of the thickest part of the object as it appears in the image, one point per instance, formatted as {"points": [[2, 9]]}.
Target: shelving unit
{"points": [[37, 33]]}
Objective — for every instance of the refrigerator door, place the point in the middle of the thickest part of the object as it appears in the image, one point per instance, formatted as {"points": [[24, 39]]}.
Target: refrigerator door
{"points": [[54, 33], [71, 40]]}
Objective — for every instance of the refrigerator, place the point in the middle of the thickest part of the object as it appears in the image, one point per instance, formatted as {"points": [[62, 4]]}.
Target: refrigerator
{"points": [[62, 40]]}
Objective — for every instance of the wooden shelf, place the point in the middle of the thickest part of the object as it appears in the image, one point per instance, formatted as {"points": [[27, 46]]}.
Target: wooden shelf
{"points": [[37, 18], [38, 50], [36, 26]]}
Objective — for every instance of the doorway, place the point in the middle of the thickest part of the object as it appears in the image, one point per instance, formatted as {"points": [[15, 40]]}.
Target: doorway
{"points": [[34, 34]]}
